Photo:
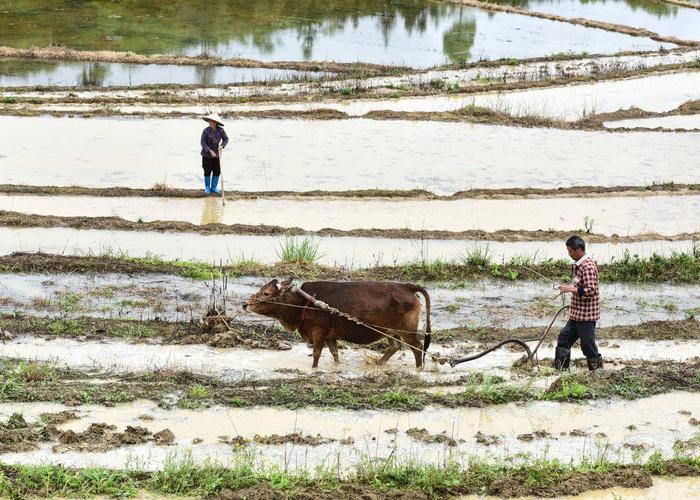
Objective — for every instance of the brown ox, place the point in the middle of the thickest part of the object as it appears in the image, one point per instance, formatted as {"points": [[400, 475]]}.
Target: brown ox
{"points": [[392, 308]]}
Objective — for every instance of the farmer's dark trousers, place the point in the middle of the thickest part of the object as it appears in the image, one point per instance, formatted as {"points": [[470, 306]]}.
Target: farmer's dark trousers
{"points": [[572, 331], [211, 166]]}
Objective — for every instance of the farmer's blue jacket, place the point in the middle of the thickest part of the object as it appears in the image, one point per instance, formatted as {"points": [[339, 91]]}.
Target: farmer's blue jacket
{"points": [[210, 140]]}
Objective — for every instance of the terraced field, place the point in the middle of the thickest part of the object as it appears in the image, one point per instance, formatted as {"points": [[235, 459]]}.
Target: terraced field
{"points": [[451, 144]]}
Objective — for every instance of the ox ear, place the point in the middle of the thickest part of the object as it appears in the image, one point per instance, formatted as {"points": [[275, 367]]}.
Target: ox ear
{"points": [[287, 283]]}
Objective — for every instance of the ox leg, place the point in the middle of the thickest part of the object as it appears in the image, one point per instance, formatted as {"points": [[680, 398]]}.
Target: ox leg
{"points": [[333, 347], [417, 349], [391, 350]]}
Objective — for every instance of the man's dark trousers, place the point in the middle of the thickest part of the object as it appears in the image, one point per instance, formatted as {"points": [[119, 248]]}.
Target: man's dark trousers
{"points": [[572, 331]]}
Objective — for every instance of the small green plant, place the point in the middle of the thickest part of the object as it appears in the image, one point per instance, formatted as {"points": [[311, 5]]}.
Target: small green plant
{"points": [[299, 250], [477, 256], [69, 302], [395, 95], [346, 91], [588, 224], [10, 99], [197, 391], [437, 84], [452, 308]]}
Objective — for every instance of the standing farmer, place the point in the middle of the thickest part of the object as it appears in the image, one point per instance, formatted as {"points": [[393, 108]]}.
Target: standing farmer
{"points": [[213, 138], [584, 311]]}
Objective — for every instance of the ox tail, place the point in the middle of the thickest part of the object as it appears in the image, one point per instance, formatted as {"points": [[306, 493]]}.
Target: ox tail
{"points": [[426, 339]]}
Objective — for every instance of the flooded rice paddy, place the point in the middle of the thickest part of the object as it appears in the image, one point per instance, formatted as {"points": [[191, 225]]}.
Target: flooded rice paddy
{"points": [[568, 103], [657, 421], [476, 304], [275, 155], [350, 252], [664, 215], [419, 34], [684, 122], [19, 73], [662, 18]]}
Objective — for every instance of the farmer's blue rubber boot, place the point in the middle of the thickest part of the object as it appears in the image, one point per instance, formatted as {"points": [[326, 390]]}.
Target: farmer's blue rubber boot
{"points": [[207, 184], [214, 183]]}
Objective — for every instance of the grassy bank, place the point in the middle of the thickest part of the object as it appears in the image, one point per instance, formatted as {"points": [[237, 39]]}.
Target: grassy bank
{"points": [[373, 478], [473, 264]]}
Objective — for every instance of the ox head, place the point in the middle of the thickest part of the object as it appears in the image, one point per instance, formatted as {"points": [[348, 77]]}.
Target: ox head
{"points": [[264, 300]]}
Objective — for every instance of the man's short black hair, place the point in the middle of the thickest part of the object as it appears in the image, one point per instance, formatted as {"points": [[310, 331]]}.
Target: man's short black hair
{"points": [[576, 242]]}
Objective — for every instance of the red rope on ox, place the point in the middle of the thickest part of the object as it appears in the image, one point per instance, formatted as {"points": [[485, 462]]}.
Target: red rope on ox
{"points": [[303, 313]]}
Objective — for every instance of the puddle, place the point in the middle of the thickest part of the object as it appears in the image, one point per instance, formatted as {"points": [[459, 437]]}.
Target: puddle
{"points": [[665, 19], [287, 155], [20, 73], [657, 420], [686, 122], [480, 304], [349, 252], [665, 215], [417, 33]]}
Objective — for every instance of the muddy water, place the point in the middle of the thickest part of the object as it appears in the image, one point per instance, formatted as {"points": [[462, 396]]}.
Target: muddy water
{"points": [[570, 103], [419, 34], [238, 364], [657, 420], [686, 122], [16, 73], [287, 155], [478, 304], [665, 215], [664, 19], [349, 252]]}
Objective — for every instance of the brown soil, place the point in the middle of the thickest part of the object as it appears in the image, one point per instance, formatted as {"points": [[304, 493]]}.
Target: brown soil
{"points": [[520, 485], [497, 193], [345, 491], [65, 54], [294, 438], [60, 417], [102, 437], [18, 436], [424, 436], [19, 219], [619, 28], [487, 439], [531, 436]]}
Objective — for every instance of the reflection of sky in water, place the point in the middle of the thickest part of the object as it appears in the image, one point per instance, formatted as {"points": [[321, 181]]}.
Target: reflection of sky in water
{"points": [[28, 73], [415, 35], [470, 36], [662, 18]]}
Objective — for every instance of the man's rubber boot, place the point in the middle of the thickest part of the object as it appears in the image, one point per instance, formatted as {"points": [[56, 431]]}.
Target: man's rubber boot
{"points": [[562, 358], [207, 185], [594, 363], [214, 183]]}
